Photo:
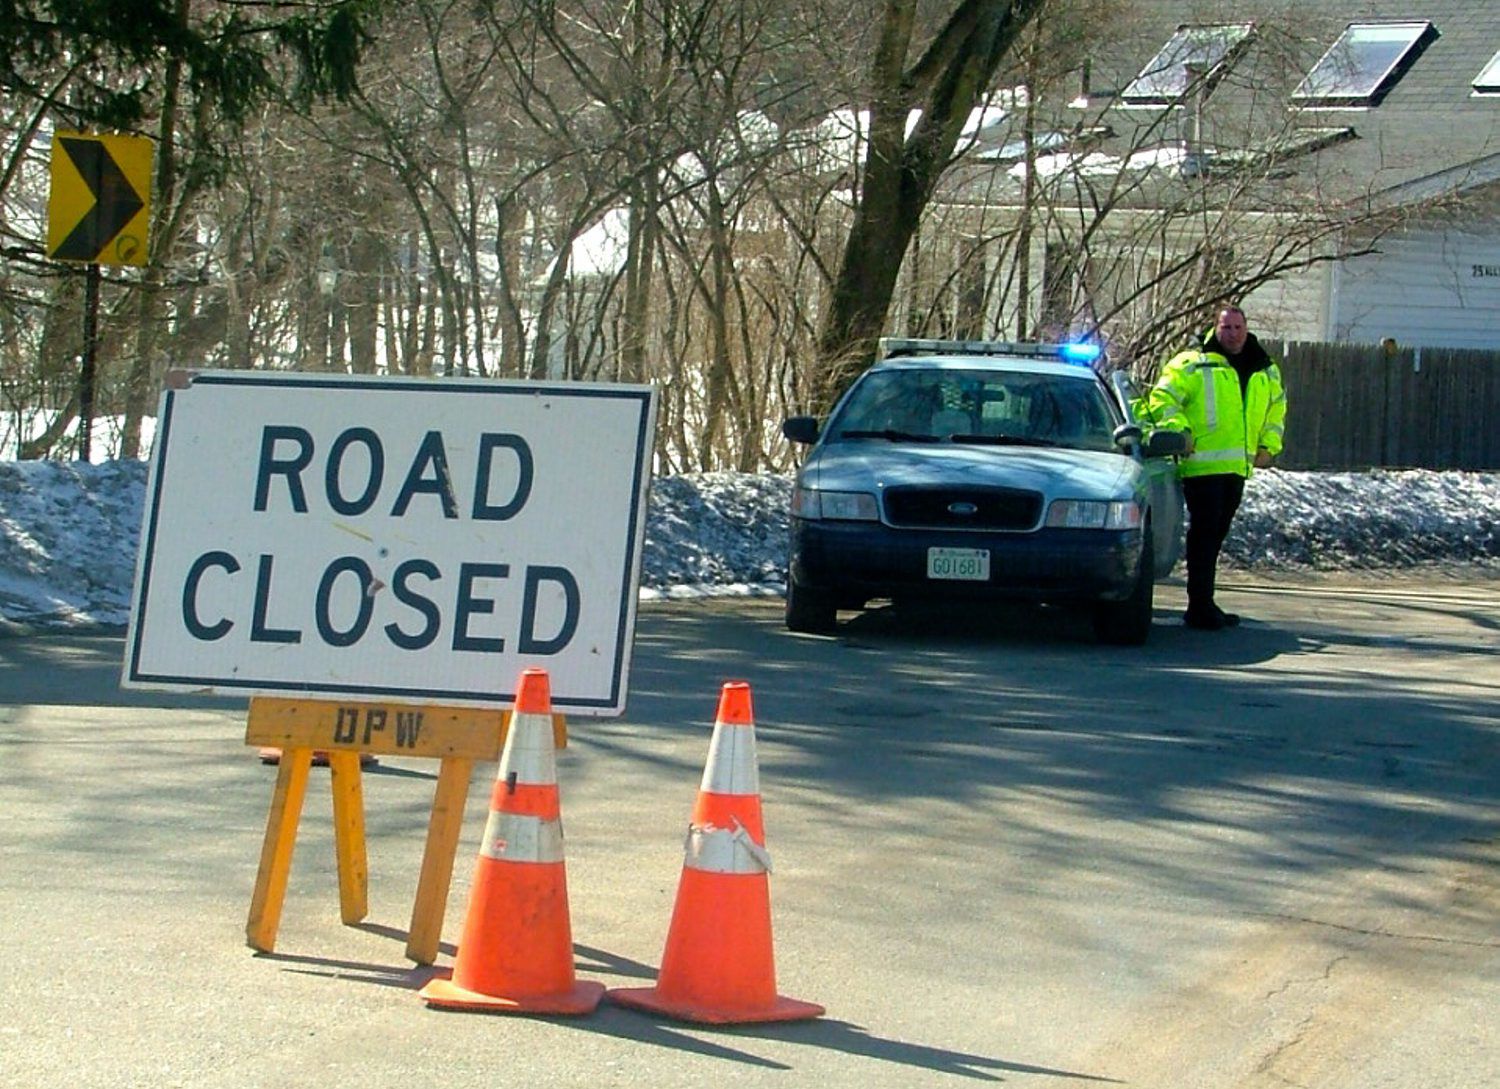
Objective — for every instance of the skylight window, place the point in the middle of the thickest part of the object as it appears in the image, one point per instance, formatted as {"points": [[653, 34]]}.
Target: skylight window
{"points": [[1364, 63], [1209, 49], [1488, 81]]}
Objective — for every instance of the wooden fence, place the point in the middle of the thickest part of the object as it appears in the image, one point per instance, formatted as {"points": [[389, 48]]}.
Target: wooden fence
{"points": [[1358, 407]]}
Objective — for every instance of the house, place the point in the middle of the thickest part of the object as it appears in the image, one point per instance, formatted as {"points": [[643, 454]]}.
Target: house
{"points": [[1334, 163]]}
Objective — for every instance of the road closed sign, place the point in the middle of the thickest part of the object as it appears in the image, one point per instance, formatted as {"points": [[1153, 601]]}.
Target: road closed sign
{"points": [[403, 539]]}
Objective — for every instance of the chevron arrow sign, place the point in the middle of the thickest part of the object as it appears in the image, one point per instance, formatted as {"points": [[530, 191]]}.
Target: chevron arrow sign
{"points": [[100, 205]]}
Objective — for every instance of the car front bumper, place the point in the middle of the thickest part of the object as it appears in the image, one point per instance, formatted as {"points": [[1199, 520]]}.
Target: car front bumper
{"points": [[869, 559]]}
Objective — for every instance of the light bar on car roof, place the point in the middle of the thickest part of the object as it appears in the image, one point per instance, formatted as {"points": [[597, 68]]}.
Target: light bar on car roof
{"points": [[1080, 352], [891, 347]]}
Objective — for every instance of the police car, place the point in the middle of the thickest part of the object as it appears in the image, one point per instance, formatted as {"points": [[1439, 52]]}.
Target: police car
{"points": [[973, 470]]}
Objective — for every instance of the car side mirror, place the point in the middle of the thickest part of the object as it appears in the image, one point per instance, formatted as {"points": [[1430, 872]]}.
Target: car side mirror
{"points": [[1127, 435], [802, 429], [1163, 444]]}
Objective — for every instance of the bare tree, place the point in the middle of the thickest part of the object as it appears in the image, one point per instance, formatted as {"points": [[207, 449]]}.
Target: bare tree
{"points": [[1079, 219], [727, 199], [946, 82]]}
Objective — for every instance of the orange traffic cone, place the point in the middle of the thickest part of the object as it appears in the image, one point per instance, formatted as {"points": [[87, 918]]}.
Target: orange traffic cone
{"points": [[718, 966], [516, 953]]}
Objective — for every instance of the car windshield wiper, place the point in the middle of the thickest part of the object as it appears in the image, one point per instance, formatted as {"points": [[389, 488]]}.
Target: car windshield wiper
{"points": [[889, 434], [1003, 440]]}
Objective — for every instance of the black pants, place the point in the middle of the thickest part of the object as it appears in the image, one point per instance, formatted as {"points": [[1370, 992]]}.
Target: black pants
{"points": [[1211, 503]]}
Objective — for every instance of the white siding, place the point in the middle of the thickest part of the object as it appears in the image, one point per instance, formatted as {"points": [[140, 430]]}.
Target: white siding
{"points": [[1294, 307], [1429, 287]]}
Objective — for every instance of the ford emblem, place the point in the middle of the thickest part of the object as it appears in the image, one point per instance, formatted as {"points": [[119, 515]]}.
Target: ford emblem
{"points": [[962, 507]]}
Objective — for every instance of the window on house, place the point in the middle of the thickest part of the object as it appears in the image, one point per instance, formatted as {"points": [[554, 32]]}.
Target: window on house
{"points": [[1364, 64], [1206, 49], [1488, 81]]}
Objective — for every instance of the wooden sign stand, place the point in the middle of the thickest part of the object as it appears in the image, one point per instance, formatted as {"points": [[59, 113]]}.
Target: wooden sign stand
{"points": [[457, 736]]}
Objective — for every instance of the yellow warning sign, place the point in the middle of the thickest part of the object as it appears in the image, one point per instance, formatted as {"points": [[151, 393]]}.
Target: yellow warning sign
{"points": [[99, 210]]}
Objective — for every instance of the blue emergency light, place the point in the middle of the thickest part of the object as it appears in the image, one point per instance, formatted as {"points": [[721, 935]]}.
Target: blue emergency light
{"points": [[1078, 353]]}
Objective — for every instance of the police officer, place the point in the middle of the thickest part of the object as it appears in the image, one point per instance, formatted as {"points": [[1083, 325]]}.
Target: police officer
{"points": [[1228, 399]]}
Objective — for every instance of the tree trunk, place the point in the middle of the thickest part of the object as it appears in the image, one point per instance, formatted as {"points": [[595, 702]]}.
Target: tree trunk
{"points": [[510, 223], [720, 377], [1023, 231], [362, 301], [40, 446], [644, 227], [901, 171], [140, 385]]}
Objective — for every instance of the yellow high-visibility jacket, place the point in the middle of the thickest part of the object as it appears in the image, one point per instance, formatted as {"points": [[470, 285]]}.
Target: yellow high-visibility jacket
{"points": [[1199, 392]]}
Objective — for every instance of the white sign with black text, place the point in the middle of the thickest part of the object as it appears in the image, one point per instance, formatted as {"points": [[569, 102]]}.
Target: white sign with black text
{"points": [[418, 540]]}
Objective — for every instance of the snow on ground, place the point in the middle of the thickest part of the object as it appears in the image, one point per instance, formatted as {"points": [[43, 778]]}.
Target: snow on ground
{"points": [[68, 532]]}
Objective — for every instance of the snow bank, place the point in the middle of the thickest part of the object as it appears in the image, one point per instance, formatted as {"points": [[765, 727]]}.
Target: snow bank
{"points": [[68, 531]]}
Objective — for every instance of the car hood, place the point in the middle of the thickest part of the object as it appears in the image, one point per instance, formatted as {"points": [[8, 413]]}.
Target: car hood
{"points": [[1056, 473]]}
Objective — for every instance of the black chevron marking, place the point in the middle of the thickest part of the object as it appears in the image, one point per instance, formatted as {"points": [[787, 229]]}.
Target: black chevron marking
{"points": [[115, 201]]}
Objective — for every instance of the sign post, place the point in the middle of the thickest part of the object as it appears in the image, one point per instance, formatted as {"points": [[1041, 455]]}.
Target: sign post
{"points": [[98, 212]]}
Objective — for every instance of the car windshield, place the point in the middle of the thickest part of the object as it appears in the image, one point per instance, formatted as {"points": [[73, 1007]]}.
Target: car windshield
{"points": [[979, 406]]}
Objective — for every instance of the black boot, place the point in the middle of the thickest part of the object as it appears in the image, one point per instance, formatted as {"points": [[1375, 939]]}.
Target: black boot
{"points": [[1209, 619]]}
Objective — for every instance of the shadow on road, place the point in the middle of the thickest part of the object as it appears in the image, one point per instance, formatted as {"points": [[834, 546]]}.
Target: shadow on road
{"points": [[1321, 736]]}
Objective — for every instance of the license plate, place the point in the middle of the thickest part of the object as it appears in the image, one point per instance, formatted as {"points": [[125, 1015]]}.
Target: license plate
{"points": [[971, 564]]}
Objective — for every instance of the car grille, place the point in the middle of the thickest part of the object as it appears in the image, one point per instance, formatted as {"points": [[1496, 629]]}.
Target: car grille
{"points": [[963, 508]]}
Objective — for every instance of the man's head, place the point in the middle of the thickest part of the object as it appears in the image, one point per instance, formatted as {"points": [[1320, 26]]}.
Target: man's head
{"points": [[1231, 330]]}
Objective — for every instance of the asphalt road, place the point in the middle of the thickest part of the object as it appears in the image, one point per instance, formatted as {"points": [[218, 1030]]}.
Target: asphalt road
{"points": [[1264, 857]]}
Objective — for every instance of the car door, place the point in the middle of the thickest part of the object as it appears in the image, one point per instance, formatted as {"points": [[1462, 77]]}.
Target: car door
{"points": [[1167, 519]]}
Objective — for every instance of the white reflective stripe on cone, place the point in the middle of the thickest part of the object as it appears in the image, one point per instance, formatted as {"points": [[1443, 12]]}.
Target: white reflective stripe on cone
{"points": [[529, 753], [722, 850], [516, 837], [731, 767]]}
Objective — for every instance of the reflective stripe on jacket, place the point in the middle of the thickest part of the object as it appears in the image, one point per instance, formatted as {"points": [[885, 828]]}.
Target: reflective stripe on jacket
{"points": [[1199, 392]]}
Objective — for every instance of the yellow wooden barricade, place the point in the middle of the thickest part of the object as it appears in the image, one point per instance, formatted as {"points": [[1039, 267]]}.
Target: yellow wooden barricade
{"points": [[457, 736]]}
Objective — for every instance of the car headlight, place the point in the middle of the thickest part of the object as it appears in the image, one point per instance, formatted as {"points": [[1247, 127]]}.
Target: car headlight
{"points": [[1094, 514], [814, 504]]}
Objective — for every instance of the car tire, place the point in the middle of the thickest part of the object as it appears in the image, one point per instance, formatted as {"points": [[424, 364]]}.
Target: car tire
{"points": [[1127, 623], [809, 610]]}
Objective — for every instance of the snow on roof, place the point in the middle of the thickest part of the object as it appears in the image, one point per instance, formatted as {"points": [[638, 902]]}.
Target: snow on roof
{"points": [[1098, 164], [1064, 162], [601, 249], [840, 137], [981, 118]]}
